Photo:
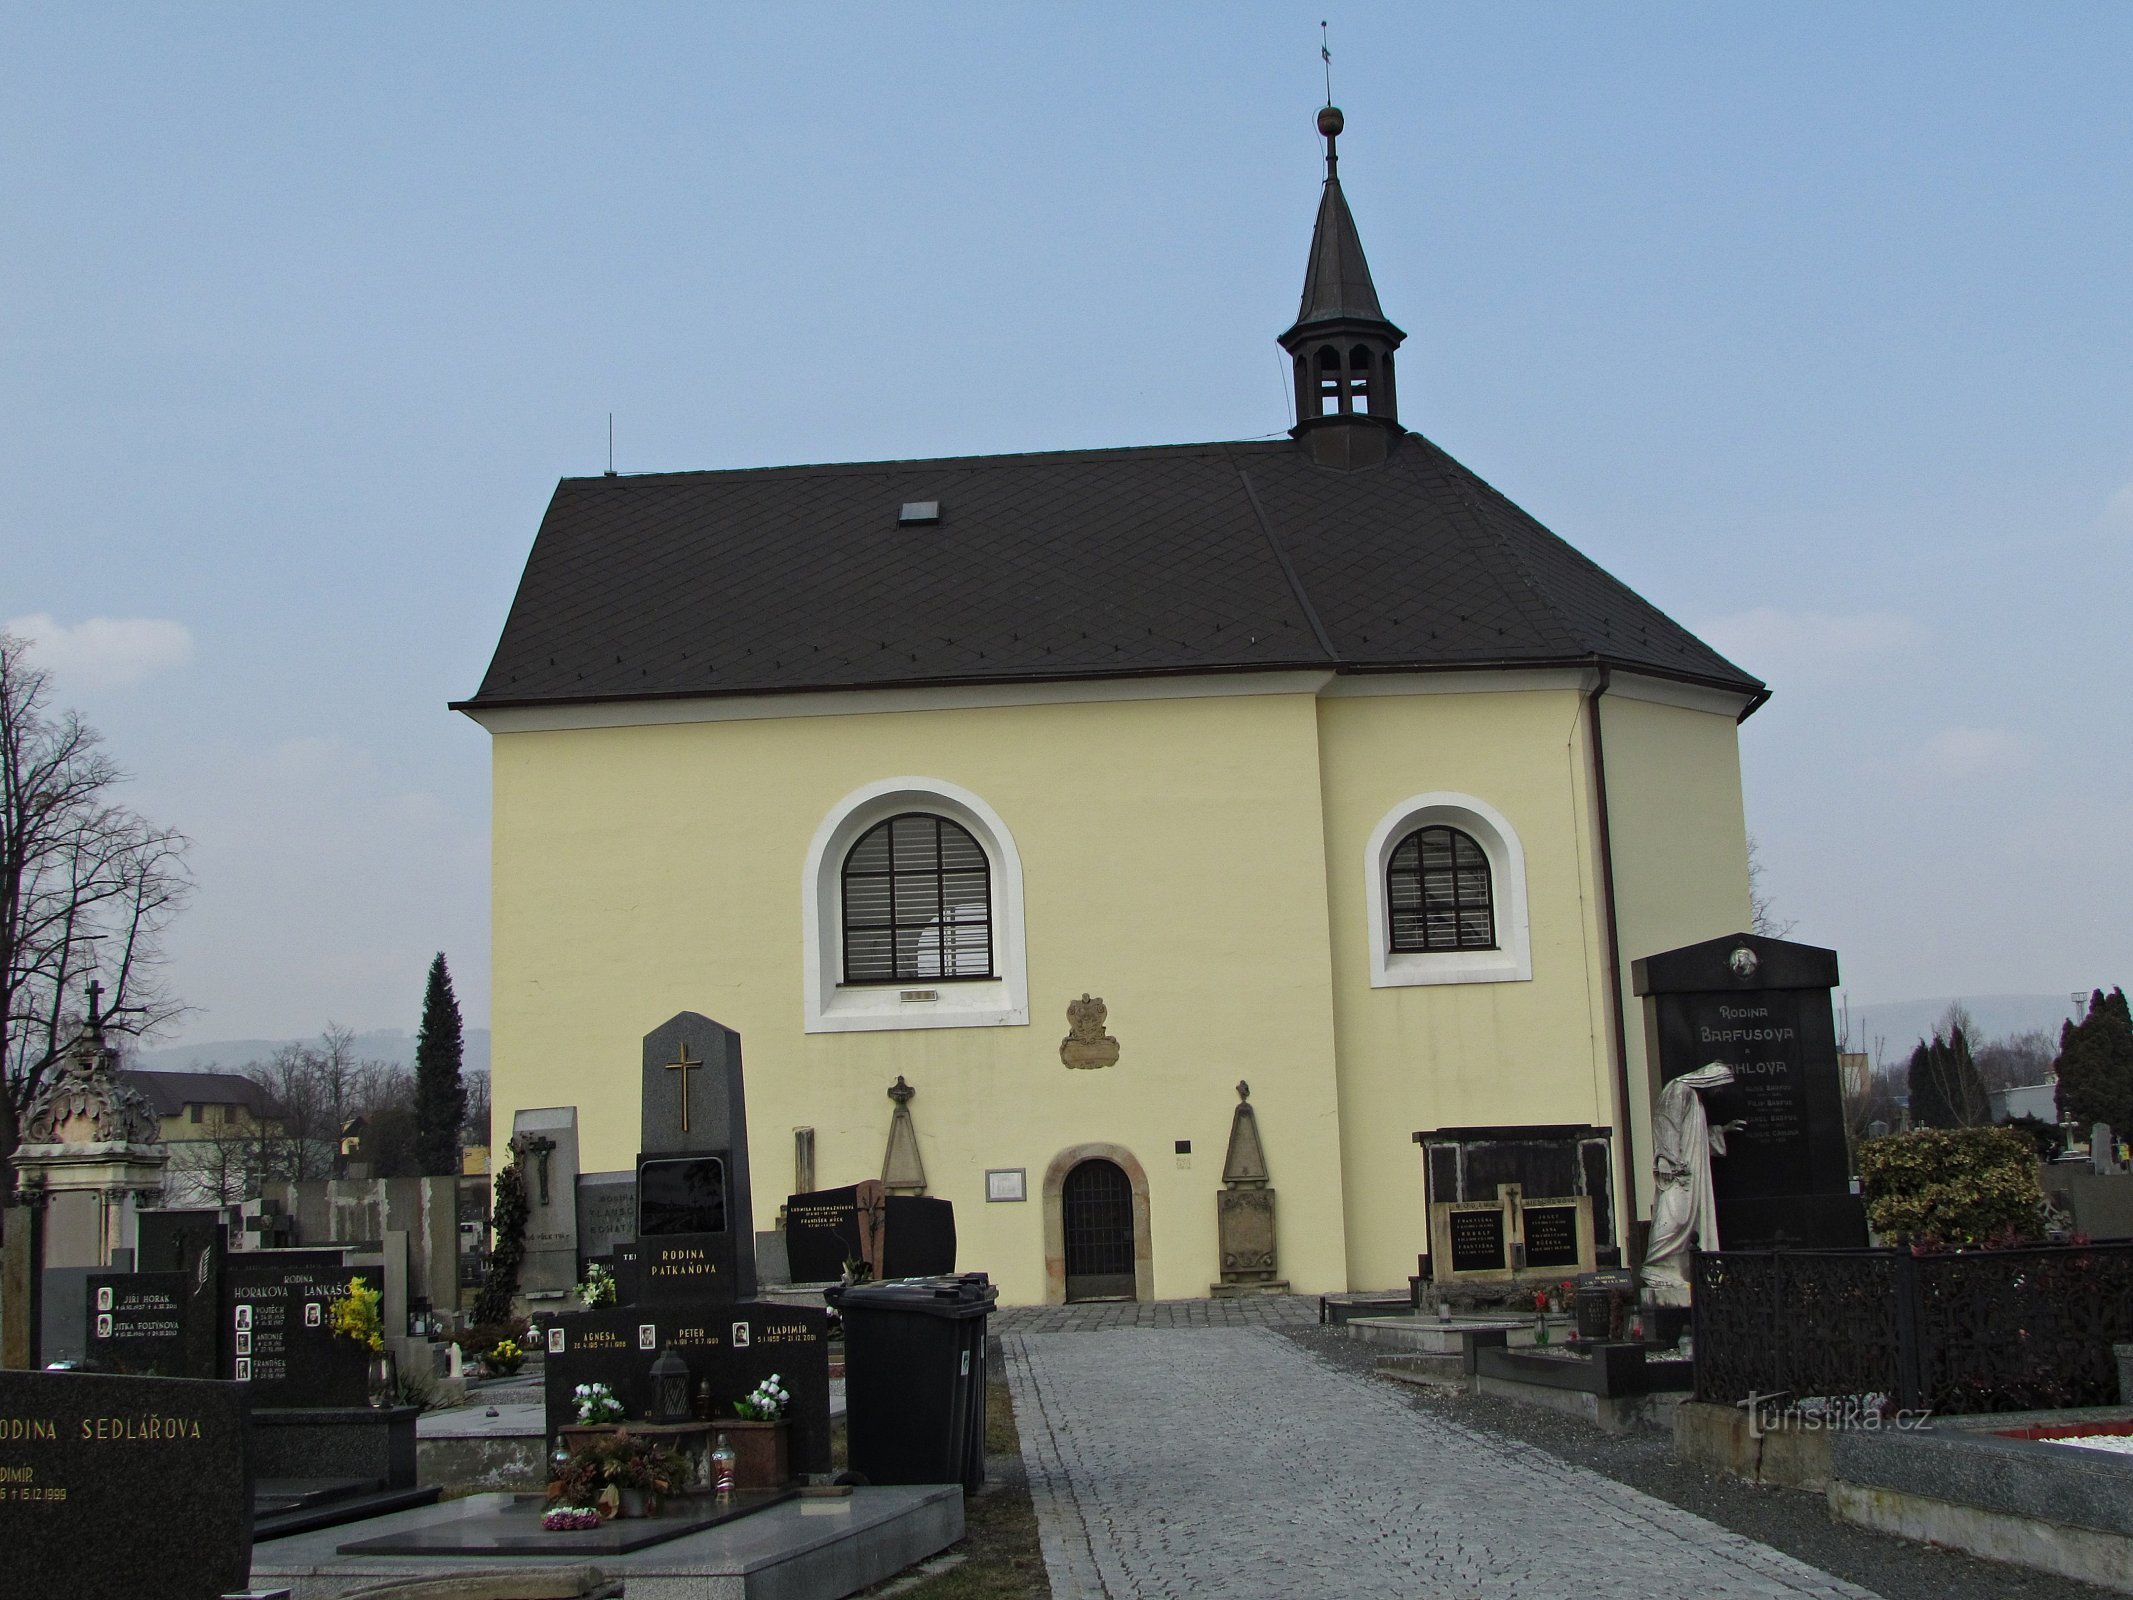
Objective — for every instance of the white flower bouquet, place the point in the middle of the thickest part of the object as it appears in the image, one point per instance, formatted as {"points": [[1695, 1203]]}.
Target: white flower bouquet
{"points": [[766, 1402], [596, 1402]]}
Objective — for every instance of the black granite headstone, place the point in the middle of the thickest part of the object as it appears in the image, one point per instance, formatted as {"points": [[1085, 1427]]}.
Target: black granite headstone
{"points": [[1551, 1235], [694, 1107], [1477, 1239], [735, 1347], [822, 1234], [123, 1486], [278, 1328], [917, 1237], [1761, 1006], [137, 1323], [166, 1239]]}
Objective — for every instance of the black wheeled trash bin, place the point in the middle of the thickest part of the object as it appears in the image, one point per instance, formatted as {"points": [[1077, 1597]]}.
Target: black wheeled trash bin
{"points": [[914, 1378]]}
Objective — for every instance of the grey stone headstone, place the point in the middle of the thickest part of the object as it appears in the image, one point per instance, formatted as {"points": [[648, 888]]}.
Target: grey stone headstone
{"points": [[551, 1265], [2103, 1148], [607, 1212]]}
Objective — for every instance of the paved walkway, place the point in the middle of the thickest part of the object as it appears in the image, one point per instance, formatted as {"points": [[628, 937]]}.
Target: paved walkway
{"points": [[1227, 1461], [1096, 1316]]}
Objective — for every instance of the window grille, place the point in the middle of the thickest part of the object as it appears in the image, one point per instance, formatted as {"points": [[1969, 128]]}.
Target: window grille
{"points": [[1437, 893], [917, 902]]}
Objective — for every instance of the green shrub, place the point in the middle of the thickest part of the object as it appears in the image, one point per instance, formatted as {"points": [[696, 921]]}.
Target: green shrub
{"points": [[1952, 1187]]}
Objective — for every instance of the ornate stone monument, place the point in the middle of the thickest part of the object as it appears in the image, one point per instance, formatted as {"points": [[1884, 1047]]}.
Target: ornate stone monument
{"points": [[1761, 1006], [92, 1154], [1086, 1043], [1244, 1210]]}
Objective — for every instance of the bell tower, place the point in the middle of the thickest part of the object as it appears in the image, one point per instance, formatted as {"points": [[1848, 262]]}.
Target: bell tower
{"points": [[1340, 346]]}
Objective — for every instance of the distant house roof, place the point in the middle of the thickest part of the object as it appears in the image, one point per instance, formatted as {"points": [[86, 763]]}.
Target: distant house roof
{"points": [[1068, 565], [169, 1093]]}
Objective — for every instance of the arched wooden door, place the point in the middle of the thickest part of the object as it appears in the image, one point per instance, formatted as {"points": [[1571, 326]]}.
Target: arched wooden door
{"points": [[1096, 1212]]}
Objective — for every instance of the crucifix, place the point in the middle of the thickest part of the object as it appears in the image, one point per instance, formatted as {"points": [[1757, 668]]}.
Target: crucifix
{"points": [[540, 1146], [682, 1066]]}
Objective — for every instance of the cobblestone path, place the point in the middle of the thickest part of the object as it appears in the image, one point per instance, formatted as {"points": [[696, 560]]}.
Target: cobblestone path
{"points": [[1224, 1461]]}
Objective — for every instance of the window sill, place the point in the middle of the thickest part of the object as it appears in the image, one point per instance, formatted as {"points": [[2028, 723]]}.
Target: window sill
{"points": [[1413, 969], [875, 1008]]}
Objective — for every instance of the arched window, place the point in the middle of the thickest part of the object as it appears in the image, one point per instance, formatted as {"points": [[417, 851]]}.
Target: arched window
{"points": [[917, 902], [911, 913], [1446, 894], [1438, 894]]}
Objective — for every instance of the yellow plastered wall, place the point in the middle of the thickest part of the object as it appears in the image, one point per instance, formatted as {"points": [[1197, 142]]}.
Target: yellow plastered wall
{"points": [[1173, 864], [1458, 1055], [1680, 853]]}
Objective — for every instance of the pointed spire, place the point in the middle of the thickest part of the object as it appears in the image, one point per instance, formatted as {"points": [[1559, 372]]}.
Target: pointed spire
{"points": [[1340, 345], [1337, 283]]}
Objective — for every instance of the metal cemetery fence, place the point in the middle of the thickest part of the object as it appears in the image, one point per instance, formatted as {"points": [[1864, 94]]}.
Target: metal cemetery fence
{"points": [[1985, 1330]]}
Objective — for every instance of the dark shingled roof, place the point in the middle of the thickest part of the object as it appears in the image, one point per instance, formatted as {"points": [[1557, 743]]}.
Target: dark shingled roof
{"points": [[169, 1093], [1069, 565]]}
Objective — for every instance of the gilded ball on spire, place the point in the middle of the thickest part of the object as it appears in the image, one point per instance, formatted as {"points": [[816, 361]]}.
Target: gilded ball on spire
{"points": [[1329, 121]]}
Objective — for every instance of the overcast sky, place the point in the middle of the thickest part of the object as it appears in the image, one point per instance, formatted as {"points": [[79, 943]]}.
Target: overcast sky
{"points": [[1809, 322]]}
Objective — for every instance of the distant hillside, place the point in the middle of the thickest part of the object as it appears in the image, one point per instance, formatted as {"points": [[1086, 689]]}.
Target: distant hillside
{"points": [[1900, 1024], [381, 1044]]}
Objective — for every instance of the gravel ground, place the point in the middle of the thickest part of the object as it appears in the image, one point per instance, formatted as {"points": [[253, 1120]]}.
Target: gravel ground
{"points": [[1790, 1520]]}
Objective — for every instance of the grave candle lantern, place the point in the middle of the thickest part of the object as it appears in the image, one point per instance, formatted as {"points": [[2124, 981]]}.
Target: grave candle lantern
{"points": [[670, 1388]]}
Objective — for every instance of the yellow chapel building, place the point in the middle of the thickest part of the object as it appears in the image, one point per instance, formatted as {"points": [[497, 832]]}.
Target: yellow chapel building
{"points": [[1316, 761]]}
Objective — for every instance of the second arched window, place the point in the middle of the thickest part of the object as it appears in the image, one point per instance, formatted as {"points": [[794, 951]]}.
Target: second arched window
{"points": [[917, 893], [1437, 893]]}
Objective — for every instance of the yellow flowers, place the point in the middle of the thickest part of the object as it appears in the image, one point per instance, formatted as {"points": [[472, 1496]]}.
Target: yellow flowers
{"points": [[355, 1315]]}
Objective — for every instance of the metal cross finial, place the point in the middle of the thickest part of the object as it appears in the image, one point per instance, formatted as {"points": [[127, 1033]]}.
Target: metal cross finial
{"points": [[682, 1066], [1325, 54], [96, 1021]]}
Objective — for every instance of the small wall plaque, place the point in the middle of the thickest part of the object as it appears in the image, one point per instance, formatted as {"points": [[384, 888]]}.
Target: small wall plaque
{"points": [[1007, 1183]]}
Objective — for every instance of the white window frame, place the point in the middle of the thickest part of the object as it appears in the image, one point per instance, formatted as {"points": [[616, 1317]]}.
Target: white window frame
{"points": [[1512, 959], [829, 1006]]}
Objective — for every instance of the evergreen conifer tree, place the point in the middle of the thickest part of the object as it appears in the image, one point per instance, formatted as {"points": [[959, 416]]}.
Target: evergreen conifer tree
{"points": [[1946, 1091], [440, 1095], [2095, 1066]]}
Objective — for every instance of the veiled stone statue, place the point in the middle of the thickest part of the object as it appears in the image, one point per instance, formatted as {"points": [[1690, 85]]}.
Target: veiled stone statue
{"points": [[1684, 1205]]}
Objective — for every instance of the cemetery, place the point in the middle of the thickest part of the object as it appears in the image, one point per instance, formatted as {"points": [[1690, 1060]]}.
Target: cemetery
{"points": [[691, 1414], [1376, 850]]}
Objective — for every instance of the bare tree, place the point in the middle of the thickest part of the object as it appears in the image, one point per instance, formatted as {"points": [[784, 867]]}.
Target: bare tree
{"points": [[475, 1130], [315, 1091], [87, 887], [1762, 913]]}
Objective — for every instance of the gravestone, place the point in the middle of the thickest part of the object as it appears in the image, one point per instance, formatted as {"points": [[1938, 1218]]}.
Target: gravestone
{"points": [[917, 1237], [548, 1138], [733, 1347], [695, 1221], [1475, 1163], [277, 1328], [607, 1214], [129, 1487], [137, 1324], [828, 1228], [1761, 1007]]}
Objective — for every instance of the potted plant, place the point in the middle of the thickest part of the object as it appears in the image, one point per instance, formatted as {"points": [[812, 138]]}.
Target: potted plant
{"points": [[761, 1436], [599, 1289]]}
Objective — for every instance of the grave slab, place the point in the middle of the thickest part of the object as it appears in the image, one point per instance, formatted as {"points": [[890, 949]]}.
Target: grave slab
{"points": [[803, 1549]]}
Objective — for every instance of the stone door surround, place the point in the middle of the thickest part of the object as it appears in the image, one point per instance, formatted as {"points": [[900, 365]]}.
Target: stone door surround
{"points": [[1055, 1218]]}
